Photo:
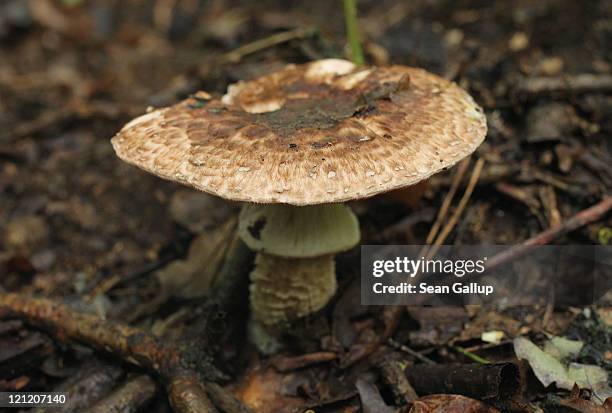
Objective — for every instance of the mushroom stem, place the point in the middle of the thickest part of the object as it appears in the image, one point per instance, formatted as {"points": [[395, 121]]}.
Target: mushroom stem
{"points": [[295, 272], [285, 289], [290, 231]]}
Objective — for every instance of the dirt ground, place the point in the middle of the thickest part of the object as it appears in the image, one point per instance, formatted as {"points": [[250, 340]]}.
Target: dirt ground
{"points": [[80, 226]]}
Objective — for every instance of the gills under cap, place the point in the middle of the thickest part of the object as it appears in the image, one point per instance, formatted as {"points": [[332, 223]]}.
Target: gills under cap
{"points": [[322, 132]]}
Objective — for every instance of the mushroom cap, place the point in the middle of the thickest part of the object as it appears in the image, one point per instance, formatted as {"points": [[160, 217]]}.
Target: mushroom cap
{"points": [[321, 132]]}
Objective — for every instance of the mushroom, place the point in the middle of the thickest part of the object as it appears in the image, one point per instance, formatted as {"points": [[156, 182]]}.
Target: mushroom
{"points": [[293, 145], [294, 271]]}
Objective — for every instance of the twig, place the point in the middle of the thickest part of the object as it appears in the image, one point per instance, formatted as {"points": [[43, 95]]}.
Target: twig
{"points": [[518, 194], [523, 197], [392, 314], [549, 201], [188, 395], [392, 371], [88, 385], [136, 346], [224, 400], [459, 210], [406, 349], [285, 364], [236, 55], [352, 32], [582, 218], [448, 199], [134, 394], [470, 355], [577, 84]]}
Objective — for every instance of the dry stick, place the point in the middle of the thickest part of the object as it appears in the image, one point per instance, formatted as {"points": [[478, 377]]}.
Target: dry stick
{"points": [[392, 314], [224, 400], [406, 349], [448, 199], [286, 364], [236, 55], [130, 397], [581, 219], [462, 204], [136, 346], [392, 372], [576, 84]]}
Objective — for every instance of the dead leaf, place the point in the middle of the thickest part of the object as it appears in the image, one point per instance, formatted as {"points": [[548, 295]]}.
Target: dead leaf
{"points": [[563, 348], [193, 276], [261, 391], [549, 369], [449, 403], [347, 307], [575, 402]]}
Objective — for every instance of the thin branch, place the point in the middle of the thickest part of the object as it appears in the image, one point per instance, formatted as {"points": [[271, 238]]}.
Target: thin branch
{"points": [[286, 364], [462, 204], [136, 346], [392, 314], [448, 199], [236, 55], [406, 349], [581, 219], [535, 87], [131, 396]]}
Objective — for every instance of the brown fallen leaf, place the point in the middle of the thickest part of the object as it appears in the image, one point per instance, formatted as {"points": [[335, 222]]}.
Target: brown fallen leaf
{"points": [[575, 402], [14, 384], [449, 403], [261, 390], [193, 276]]}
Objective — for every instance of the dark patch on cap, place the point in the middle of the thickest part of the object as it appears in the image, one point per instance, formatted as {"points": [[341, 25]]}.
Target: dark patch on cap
{"points": [[317, 113], [365, 110]]}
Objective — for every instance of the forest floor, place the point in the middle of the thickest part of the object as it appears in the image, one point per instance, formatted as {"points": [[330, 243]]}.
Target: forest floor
{"points": [[80, 227]]}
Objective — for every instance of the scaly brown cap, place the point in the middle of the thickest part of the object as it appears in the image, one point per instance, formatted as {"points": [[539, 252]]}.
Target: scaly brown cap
{"points": [[322, 132]]}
